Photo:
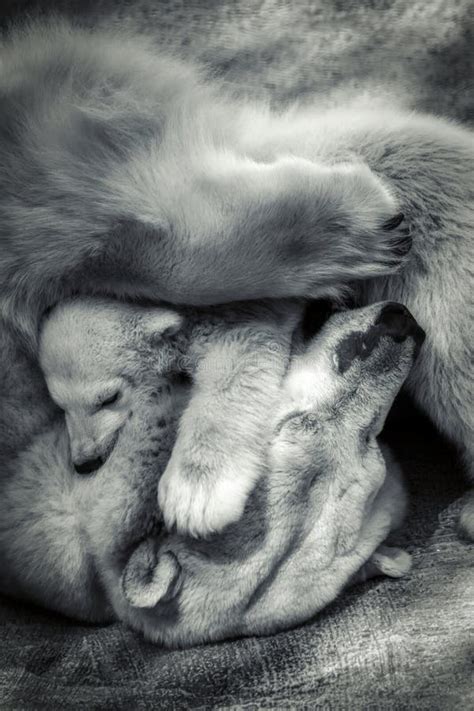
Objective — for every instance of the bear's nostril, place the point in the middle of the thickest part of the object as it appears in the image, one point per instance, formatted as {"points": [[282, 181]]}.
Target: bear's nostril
{"points": [[89, 466], [393, 309], [397, 321]]}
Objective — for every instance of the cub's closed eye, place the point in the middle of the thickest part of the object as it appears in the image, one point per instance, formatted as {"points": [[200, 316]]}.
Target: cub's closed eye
{"points": [[111, 400]]}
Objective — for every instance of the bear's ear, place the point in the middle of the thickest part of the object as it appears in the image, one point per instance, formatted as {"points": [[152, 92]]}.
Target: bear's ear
{"points": [[157, 322]]}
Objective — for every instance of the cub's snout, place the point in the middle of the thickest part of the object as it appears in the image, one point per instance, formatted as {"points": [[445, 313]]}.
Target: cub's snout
{"points": [[92, 438], [90, 463]]}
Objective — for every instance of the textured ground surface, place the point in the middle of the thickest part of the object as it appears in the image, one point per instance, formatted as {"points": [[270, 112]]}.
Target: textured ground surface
{"points": [[404, 644]]}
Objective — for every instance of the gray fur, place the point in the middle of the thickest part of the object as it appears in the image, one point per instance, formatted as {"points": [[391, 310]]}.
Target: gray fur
{"points": [[83, 207], [321, 507], [124, 172], [236, 356]]}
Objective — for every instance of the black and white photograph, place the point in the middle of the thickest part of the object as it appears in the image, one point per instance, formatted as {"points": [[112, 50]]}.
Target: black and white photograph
{"points": [[236, 355]]}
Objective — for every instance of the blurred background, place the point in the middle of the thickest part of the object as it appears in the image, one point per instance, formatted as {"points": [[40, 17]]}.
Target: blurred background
{"points": [[419, 50]]}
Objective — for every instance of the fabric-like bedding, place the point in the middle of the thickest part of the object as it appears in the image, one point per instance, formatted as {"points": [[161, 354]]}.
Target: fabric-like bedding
{"points": [[384, 645]]}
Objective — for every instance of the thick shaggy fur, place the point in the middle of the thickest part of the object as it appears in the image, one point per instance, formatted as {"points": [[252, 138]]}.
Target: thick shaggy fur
{"points": [[93, 547], [124, 172], [236, 357]]}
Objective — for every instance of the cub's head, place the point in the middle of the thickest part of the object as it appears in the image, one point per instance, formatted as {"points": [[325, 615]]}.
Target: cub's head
{"points": [[93, 353]]}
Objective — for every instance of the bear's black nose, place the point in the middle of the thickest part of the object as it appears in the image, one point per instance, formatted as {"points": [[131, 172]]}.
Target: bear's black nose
{"points": [[90, 466], [397, 321]]}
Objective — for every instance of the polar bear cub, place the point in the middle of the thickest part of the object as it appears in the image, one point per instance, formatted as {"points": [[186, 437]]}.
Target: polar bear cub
{"points": [[91, 350], [94, 547], [90, 353]]}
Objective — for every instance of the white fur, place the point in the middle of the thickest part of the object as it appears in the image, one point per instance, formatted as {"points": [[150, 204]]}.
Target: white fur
{"points": [[124, 171], [86, 360], [321, 497], [237, 358]]}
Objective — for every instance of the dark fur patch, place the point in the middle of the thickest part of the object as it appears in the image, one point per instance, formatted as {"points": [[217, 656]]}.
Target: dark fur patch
{"points": [[394, 320], [357, 344]]}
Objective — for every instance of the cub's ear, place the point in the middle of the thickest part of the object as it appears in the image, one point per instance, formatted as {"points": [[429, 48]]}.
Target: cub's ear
{"points": [[150, 578], [157, 322]]}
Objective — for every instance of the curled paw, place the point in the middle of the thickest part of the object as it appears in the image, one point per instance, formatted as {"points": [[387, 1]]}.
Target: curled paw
{"points": [[391, 561], [377, 235]]}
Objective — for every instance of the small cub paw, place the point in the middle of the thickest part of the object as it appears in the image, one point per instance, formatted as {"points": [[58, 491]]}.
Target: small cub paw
{"points": [[390, 561], [197, 504]]}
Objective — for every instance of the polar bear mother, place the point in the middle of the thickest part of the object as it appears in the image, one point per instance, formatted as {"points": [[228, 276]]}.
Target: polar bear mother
{"points": [[123, 172]]}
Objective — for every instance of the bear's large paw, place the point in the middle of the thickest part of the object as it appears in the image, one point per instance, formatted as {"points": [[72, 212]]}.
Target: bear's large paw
{"points": [[344, 224], [370, 230], [198, 502]]}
